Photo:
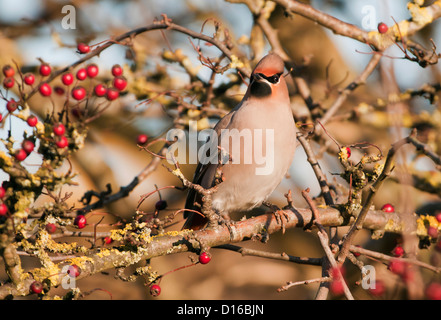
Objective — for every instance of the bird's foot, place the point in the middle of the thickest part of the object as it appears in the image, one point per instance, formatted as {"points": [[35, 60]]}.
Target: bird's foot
{"points": [[281, 216]]}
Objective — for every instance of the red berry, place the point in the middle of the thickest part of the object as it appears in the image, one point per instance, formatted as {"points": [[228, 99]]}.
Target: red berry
{"points": [[62, 142], [73, 271], [28, 146], [141, 139], [29, 79], [108, 240], [59, 129], [36, 287], [379, 289], [12, 105], [398, 251], [45, 89], [45, 70], [92, 70], [8, 71], [81, 74], [357, 254], [397, 267], [438, 216], [204, 258], [433, 291], [1, 117], [348, 151], [32, 121], [20, 155], [117, 70], [8, 83], [112, 94], [382, 27], [388, 208], [80, 221], [51, 228], [432, 232], [3, 209], [336, 287], [2, 192], [83, 48], [79, 93], [161, 205], [67, 79], [155, 290], [120, 83], [100, 90]]}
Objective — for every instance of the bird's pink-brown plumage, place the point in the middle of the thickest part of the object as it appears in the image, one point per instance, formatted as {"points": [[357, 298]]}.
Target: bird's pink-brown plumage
{"points": [[268, 110]]}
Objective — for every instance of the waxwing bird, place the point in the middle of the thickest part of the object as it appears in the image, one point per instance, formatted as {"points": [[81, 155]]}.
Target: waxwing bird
{"points": [[260, 139]]}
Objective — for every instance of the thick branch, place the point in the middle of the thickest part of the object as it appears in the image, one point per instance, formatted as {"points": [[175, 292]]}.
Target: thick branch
{"points": [[171, 243]]}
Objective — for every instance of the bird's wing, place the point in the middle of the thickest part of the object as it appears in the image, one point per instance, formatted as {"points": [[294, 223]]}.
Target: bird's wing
{"points": [[194, 220]]}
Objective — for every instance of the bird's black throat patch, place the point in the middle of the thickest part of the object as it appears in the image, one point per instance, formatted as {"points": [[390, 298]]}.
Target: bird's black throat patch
{"points": [[260, 89]]}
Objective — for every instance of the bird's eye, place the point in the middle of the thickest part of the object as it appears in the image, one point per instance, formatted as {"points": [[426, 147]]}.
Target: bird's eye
{"points": [[274, 78]]}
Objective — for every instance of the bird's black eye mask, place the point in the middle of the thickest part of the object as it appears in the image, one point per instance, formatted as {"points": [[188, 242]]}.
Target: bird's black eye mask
{"points": [[261, 88], [273, 79]]}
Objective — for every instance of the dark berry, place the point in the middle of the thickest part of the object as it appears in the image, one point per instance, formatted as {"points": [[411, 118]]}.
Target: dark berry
{"points": [[161, 205]]}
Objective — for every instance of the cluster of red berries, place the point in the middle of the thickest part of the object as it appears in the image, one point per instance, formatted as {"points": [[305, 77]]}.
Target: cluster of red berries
{"points": [[61, 140], [3, 207], [9, 73], [204, 258]]}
